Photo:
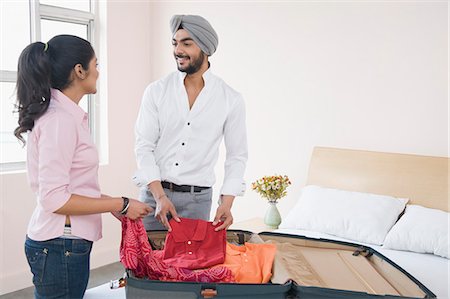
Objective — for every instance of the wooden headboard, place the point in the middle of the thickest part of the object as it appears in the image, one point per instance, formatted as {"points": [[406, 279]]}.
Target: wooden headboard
{"points": [[422, 179]]}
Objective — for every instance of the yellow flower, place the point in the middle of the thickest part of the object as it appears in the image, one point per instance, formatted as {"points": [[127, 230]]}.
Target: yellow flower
{"points": [[272, 187]]}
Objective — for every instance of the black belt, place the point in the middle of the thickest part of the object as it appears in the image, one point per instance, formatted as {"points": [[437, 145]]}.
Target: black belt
{"points": [[182, 188]]}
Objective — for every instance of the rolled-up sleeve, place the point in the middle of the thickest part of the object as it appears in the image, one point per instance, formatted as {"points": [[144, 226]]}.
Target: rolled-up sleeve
{"points": [[56, 147], [235, 137], [146, 133]]}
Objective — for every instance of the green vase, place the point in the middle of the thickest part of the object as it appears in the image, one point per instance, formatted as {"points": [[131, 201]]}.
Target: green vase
{"points": [[272, 219]]}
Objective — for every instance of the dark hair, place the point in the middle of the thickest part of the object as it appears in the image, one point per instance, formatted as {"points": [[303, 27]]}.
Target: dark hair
{"points": [[44, 66]]}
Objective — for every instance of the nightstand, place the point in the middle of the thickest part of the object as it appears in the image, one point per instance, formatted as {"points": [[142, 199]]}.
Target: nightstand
{"points": [[255, 225]]}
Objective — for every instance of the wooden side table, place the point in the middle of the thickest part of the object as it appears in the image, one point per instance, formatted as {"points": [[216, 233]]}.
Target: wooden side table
{"points": [[255, 225]]}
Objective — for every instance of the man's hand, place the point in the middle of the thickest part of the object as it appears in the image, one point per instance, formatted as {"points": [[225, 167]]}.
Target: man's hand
{"points": [[163, 207], [163, 204], [223, 213]]}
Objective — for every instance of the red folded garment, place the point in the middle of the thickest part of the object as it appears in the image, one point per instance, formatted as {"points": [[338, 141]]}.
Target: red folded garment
{"points": [[137, 255], [194, 244]]}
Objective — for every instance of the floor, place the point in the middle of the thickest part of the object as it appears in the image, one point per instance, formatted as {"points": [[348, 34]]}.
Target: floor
{"points": [[97, 277]]}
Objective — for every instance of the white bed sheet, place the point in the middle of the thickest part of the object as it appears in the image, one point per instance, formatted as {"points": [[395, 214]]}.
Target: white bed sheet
{"points": [[431, 270]]}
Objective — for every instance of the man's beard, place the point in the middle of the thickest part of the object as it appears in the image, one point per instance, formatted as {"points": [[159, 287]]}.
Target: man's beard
{"points": [[194, 66]]}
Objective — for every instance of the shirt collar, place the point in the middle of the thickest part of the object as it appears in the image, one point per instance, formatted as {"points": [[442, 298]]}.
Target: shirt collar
{"points": [[236, 249], [207, 75], [63, 101], [190, 229]]}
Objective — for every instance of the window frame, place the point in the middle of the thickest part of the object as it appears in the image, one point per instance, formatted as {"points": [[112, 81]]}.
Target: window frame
{"points": [[39, 12]]}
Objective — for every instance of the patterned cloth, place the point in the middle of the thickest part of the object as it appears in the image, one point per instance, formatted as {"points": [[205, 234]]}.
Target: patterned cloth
{"points": [[137, 255]]}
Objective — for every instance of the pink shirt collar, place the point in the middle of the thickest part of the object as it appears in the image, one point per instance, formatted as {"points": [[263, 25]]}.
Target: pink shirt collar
{"points": [[61, 100]]}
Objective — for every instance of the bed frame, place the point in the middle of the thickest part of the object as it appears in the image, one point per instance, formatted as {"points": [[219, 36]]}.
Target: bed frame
{"points": [[422, 179]]}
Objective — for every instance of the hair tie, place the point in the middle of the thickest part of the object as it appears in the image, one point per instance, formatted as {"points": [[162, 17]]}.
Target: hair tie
{"points": [[45, 47]]}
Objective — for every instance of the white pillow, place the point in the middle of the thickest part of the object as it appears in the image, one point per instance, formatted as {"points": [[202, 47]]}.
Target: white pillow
{"points": [[357, 216], [421, 230]]}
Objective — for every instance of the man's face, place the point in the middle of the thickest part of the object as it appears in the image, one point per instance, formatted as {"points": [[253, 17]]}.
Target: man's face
{"points": [[188, 55]]}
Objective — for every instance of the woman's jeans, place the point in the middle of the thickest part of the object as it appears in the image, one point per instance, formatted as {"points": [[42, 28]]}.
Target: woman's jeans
{"points": [[60, 267]]}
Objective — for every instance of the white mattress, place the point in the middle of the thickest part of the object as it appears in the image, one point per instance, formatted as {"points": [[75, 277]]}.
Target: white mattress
{"points": [[432, 271]]}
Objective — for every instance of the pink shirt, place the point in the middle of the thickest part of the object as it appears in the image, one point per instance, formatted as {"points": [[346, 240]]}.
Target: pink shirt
{"points": [[62, 160]]}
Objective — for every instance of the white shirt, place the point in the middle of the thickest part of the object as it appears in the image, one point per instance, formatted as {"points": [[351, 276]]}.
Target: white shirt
{"points": [[181, 145]]}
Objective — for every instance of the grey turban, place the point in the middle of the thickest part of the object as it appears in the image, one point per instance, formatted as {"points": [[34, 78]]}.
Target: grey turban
{"points": [[199, 29]]}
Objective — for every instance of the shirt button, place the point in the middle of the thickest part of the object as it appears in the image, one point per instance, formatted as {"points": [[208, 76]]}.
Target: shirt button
{"points": [[182, 143], [189, 242], [246, 260], [190, 252], [188, 124], [176, 164], [245, 254]]}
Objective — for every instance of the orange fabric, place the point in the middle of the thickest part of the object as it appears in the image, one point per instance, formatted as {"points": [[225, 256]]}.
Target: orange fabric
{"points": [[250, 263]]}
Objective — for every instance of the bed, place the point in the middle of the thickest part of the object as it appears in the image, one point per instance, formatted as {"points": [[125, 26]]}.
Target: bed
{"points": [[421, 179]]}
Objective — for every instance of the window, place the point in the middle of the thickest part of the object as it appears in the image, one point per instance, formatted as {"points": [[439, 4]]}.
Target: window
{"points": [[23, 22]]}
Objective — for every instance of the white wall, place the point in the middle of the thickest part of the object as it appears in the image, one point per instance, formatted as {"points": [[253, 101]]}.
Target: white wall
{"points": [[370, 75]]}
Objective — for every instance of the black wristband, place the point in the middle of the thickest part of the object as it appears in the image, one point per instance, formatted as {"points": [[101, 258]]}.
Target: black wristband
{"points": [[126, 204]]}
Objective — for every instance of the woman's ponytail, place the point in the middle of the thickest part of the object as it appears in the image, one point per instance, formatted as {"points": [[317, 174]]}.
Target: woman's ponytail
{"points": [[45, 66], [33, 86]]}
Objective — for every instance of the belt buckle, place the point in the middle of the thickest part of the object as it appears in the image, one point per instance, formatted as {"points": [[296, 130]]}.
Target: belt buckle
{"points": [[171, 186]]}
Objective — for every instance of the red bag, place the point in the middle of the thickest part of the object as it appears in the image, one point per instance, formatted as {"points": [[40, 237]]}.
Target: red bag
{"points": [[194, 244]]}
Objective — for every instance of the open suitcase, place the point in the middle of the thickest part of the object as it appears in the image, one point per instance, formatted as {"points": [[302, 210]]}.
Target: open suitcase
{"points": [[334, 270]]}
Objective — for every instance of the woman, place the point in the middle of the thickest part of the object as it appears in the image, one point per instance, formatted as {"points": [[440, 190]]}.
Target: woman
{"points": [[62, 165]]}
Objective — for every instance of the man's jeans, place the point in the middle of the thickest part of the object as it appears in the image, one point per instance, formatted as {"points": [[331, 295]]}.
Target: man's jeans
{"points": [[60, 267]]}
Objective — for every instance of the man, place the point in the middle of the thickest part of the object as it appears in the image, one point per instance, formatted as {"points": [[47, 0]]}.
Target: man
{"points": [[181, 123]]}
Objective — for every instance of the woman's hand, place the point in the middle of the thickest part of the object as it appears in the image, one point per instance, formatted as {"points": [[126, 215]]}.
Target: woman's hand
{"points": [[137, 209]]}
